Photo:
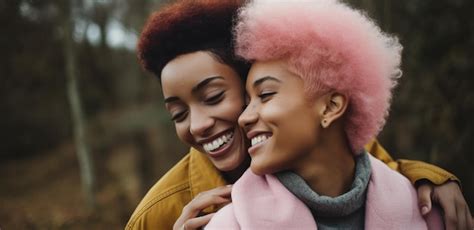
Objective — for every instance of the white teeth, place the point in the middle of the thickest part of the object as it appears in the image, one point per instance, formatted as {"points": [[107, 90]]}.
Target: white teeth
{"points": [[218, 142], [259, 139]]}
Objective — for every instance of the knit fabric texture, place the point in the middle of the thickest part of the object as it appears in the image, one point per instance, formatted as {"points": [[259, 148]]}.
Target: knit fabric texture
{"points": [[346, 211]]}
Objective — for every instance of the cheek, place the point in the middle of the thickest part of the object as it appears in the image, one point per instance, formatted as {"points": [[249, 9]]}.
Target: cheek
{"points": [[295, 127], [276, 114], [182, 131], [295, 139], [231, 109]]}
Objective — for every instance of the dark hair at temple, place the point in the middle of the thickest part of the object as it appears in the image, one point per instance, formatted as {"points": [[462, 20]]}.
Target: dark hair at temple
{"points": [[188, 26]]}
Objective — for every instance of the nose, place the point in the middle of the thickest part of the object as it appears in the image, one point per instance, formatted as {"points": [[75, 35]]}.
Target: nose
{"points": [[248, 117], [200, 124]]}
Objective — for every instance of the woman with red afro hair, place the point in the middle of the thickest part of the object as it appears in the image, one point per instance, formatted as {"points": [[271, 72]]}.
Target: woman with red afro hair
{"points": [[319, 88], [188, 46]]}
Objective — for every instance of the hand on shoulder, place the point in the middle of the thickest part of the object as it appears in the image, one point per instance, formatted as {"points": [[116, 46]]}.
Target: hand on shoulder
{"points": [[190, 217], [449, 196]]}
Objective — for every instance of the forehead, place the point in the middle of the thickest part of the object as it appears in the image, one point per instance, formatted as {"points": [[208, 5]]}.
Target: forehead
{"points": [[185, 71], [275, 68]]}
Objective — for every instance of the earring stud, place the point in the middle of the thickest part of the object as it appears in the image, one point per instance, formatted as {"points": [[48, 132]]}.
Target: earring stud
{"points": [[324, 124]]}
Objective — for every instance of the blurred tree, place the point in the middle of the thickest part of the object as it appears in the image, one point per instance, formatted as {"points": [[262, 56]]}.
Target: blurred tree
{"points": [[82, 149], [32, 89]]}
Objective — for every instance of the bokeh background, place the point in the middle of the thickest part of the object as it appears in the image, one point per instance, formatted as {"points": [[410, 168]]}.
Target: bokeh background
{"points": [[83, 129]]}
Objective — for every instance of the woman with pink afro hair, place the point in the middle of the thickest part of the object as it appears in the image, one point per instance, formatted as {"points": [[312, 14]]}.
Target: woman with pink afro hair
{"points": [[319, 88], [331, 47]]}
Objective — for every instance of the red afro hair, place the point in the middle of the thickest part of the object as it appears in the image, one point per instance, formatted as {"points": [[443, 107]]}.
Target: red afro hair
{"points": [[187, 26]]}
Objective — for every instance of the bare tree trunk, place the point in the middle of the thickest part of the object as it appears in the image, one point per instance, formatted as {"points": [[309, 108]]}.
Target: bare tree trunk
{"points": [[101, 18], [83, 153]]}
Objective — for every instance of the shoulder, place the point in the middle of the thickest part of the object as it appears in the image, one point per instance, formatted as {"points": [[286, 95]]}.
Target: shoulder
{"points": [[164, 202], [391, 200], [389, 190], [381, 170], [384, 178]]}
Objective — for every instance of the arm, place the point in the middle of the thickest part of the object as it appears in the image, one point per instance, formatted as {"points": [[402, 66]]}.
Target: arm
{"points": [[413, 170], [433, 184]]}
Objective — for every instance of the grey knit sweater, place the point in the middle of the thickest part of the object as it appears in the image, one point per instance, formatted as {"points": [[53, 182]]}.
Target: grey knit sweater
{"points": [[346, 211]]}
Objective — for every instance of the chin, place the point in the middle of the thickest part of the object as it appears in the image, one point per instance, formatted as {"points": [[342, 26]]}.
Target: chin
{"points": [[266, 167], [228, 164], [226, 168], [259, 169]]}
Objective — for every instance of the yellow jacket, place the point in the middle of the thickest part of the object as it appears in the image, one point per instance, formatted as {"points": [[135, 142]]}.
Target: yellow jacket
{"points": [[163, 203]]}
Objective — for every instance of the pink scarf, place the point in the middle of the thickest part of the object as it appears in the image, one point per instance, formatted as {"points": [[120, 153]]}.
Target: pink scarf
{"points": [[262, 202]]}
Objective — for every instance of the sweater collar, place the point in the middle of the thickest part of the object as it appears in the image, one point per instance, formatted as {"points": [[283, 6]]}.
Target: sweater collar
{"points": [[339, 206]]}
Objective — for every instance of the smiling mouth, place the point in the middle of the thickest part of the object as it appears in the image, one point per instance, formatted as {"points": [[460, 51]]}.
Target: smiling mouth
{"points": [[259, 139], [218, 143]]}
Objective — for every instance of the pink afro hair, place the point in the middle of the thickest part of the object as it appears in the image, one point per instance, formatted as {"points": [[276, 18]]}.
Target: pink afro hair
{"points": [[331, 47]]}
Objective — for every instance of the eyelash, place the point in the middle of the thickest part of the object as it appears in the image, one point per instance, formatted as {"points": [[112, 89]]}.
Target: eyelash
{"points": [[210, 101], [179, 116], [214, 99], [265, 95]]}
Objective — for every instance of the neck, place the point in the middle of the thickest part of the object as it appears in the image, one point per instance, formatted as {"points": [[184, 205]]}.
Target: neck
{"points": [[329, 169], [233, 175]]}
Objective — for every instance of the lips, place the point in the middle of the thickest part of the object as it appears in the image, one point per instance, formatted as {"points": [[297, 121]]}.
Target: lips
{"points": [[257, 139]]}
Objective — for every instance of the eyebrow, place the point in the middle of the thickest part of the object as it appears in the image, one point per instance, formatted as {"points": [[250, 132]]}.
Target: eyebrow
{"points": [[205, 82], [263, 79], [196, 88]]}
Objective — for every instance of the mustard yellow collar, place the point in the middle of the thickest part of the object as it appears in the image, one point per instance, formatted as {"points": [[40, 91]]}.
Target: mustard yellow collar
{"points": [[203, 175]]}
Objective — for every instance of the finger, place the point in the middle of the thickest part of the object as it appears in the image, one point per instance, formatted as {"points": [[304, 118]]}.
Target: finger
{"points": [[449, 208], [198, 222], [470, 220], [424, 198], [470, 224], [468, 216], [223, 191], [204, 200], [461, 216]]}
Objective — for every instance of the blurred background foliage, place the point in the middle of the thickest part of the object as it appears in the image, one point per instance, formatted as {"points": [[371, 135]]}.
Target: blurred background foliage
{"points": [[54, 50]]}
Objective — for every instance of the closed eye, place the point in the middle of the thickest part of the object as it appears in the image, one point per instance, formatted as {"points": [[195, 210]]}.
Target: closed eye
{"points": [[266, 95], [180, 116], [214, 99]]}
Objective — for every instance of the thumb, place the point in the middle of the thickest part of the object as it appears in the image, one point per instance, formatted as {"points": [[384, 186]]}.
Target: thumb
{"points": [[424, 198]]}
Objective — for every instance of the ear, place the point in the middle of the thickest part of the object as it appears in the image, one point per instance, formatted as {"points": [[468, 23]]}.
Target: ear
{"points": [[334, 106]]}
